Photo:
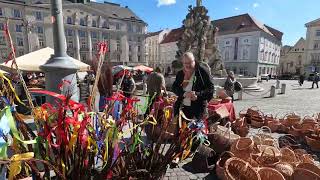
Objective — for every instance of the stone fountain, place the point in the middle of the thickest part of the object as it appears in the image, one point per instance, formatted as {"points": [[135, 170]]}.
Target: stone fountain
{"points": [[199, 37]]}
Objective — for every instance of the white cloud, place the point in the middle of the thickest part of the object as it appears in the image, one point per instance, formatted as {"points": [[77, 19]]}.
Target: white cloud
{"points": [[237, 9], [166, 2], [93, 0], [255, 5]]}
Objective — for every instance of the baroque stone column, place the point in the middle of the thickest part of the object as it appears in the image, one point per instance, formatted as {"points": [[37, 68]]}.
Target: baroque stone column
{"points": [[77, 48], [89, 45]]}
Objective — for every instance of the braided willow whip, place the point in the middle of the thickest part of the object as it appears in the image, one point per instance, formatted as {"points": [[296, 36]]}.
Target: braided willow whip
{"points": [[17, 68], [103, 47]]}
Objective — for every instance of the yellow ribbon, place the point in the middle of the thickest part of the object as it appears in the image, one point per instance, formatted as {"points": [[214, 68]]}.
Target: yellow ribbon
{"points": [[11, 87], [74, 136], [15, 166]]}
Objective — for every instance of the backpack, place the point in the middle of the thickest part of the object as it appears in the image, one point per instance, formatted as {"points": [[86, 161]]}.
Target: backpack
{"points": [[237, 86]]}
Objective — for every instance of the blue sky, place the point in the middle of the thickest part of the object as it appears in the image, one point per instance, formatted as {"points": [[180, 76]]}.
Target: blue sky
{"points": [[288, 16]]}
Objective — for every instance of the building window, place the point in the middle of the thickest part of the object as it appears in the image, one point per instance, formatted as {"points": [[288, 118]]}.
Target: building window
{"points": [[18, 28], [20, 53], [118, 26], [105, 36], [118, 57], [1, 12], [130, 58], [38, 16], [70, 32], [70, 44], [246, 41], [227, 42], [105, 25], [226, 55], [318, 33], [316, 46], [139, 29], [118, 46], [3, 40], [82, 22], [16, 13], [1, 26], [94, 23], [83, 56], [82, 33], [139, 48], [130, 29], [139, 58], [40, 30], [291, 64], [130, 38], [94, 35], [20, 41], [69, 20], [139, 39], [83, 45], [130, 48], [41, 42], [245, 54], [236, 49]]}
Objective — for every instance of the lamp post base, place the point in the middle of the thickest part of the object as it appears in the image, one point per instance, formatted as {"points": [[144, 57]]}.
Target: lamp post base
{"points": [[61, 71]]}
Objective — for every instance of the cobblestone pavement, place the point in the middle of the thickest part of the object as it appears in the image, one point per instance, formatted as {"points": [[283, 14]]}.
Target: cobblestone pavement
{"points": [[302, 100]]}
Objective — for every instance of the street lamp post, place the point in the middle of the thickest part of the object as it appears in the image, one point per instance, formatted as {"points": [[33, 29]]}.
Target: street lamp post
{"points": [[60, 66]]}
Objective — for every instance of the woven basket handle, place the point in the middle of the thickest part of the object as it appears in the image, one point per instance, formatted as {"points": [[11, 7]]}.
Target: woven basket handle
{"points": [[264, 127], [274, 153], [237, 146]]}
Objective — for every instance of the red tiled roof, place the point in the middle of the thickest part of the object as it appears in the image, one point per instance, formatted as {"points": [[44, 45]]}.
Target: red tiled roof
{"points": [[243, 23], [173, 36]]}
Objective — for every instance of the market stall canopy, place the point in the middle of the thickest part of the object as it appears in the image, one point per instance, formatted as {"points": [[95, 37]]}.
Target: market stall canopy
{"points": [[119, 68], [143, 68], [34, 60]]}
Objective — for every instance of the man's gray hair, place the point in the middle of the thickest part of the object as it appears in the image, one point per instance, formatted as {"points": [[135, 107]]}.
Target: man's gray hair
{"points": [[189, 55]]}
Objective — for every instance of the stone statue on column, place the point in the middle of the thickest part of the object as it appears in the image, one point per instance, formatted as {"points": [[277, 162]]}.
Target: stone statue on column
{"points": [[199, 3]]}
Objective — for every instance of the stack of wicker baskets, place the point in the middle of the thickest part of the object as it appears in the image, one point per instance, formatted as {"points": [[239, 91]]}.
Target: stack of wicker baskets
{"points": [[249, 160]]}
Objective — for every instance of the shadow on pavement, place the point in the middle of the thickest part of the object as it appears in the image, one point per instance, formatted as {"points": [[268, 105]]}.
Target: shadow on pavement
{"points": [[303, 88], [210, 176]]}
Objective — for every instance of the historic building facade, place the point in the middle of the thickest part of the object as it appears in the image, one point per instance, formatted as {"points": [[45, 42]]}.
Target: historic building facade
{"points": [[292, 59], [169, 48], [312, 46], [153, 54], [85, 26], [247, 46]]}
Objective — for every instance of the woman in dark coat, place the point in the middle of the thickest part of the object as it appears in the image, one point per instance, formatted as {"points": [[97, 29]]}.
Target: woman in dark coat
{"points": [[194, 87]]}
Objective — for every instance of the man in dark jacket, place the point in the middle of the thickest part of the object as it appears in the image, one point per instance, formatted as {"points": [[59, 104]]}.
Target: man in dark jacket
{"points": [[194, 87]]}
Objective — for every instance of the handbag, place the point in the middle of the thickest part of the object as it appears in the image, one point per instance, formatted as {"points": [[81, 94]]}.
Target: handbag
{"points": [[204, 159], [237, 86]]}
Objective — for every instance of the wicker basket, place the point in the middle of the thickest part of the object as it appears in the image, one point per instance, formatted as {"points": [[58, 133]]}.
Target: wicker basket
{"points": [[257, 121], [288, 141], [285, 169], [304, 174], [273, 125], [310, 167], [269, 174], [288, 156], [221, 163], [264, 138], [313, 143], [269, 150], [236, 168], [243, 148], [268, 161], [291, 119], [241, 127]]}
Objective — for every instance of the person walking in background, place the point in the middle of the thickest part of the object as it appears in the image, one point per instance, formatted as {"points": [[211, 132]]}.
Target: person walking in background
{"points": [[105, 85], [316, 79], [229, 85], [128, 85], [194, 87], [155, 85], [301, 79]]}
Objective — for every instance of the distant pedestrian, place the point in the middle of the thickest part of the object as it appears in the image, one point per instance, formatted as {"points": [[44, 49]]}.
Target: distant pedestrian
{"points": [[229, 85], [128, 85], [316, 79], [301, 79], [156, 87]]}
